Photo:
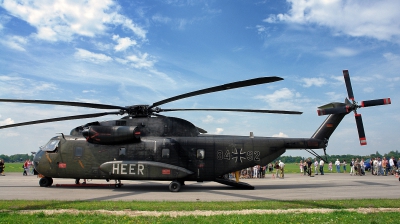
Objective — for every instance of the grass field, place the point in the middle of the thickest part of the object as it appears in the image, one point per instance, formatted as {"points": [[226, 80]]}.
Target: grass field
{"points": [[107, 211]]}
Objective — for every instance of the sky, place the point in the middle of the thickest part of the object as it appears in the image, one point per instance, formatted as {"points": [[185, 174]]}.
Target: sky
{"points": [[140, 52]]}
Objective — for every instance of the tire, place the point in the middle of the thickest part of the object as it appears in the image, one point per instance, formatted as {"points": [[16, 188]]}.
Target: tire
{"points": [[175, 186], [77, 181], [45, 181]]}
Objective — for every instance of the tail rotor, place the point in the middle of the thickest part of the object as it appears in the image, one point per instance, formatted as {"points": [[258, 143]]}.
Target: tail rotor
{"points": [[353, 106]]}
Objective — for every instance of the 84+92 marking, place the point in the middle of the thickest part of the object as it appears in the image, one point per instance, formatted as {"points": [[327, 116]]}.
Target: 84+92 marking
{"points": [[238, 156]]}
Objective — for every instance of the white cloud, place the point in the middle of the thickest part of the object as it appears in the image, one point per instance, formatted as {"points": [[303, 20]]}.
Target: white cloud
{"points": [[140, 61], [284, 99], [282, 135], [61, 20], [14, 85], [7, 121], [219, 131], [123, 43], [369, 18], [14, 42], [161, 19], [340, 52], [391, 57], [211, 119], [278, 95], [83, 54], [308, 82], [122, 61]]}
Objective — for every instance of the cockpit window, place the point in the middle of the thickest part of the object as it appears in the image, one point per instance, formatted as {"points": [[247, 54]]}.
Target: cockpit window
{"points": [[50, 146]]}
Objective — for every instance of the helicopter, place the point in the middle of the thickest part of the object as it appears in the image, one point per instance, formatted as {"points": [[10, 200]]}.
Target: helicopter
{"points": [[145, 145]]}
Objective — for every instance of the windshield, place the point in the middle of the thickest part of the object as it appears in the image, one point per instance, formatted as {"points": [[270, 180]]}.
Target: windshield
{"points": [[50, 146]]}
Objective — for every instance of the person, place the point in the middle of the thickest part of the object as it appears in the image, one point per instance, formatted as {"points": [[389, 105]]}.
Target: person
{"points": [[380, 172], [282, 167], [25, 168], [263, 169], [371, 163], [2, 166], [362, 167], [357, 168], [375, 166], [301, 167], [270, 167], [344, 166], [321, 166], [352, 167], [30, 166], [337, 164], [316, 167], [305, 167], [384, 166], [277, 169], [391, 165], [330, 166], [309, 164], [255, 171]]}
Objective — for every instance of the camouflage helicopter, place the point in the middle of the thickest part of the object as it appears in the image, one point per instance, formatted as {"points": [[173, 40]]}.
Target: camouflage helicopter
{"points": [[144, 145]]}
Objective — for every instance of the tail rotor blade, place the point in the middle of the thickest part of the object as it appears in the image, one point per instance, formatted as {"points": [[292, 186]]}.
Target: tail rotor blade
{"points": [[335, 110], [348, 84], [360, 128], [370, 103]]}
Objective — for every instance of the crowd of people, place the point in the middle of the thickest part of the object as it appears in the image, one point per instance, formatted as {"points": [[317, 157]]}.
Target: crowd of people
{"points": [[377, 166], [258, 171]]}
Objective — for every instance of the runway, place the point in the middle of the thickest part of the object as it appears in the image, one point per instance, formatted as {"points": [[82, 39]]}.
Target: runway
{"points": [[293, 187]]}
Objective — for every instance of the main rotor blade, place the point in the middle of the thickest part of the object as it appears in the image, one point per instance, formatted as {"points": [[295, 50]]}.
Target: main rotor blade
{"points": [[64, 103], [59, 119], [370, 103], [236, 110], [348, 84], [360, 128], [233, 85]]}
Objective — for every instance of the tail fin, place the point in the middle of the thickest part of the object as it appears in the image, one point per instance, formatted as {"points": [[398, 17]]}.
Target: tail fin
{"points": [[326, 129]]}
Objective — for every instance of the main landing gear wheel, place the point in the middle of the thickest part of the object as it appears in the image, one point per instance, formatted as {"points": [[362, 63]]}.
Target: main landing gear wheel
{"points": [[46, 181], [77, 181], [175, 186]]}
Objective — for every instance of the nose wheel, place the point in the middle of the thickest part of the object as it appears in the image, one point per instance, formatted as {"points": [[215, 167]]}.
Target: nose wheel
{"points": [[46, 181]]}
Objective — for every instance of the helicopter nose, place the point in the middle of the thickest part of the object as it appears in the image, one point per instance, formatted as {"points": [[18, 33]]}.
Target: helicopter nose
{"points": [[37, 158]]}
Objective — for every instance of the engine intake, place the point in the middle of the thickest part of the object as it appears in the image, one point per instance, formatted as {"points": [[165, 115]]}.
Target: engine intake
{"points": [[110, 135]]}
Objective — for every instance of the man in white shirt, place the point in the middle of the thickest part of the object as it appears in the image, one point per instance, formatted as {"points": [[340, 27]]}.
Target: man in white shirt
{"points": [[337, 164], [321, 166], [282, 167], [391, 164], [316, 167]]}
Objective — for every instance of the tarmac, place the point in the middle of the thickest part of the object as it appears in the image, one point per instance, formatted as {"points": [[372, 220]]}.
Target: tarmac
{"points": [[15, 186]]}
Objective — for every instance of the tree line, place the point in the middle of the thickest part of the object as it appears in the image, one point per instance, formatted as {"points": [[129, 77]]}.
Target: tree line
{"points": [[17, 158], [332, 158]]}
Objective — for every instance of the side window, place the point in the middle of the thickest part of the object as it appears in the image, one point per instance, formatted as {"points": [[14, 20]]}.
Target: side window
{"points": [[200, 153], [122, 151], [78, 152], [165, 153]]}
